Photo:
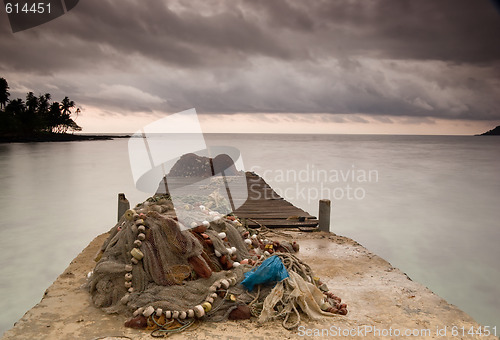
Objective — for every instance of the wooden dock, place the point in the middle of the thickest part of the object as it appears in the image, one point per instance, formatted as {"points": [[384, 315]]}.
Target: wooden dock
{"points": [[263, 207]]}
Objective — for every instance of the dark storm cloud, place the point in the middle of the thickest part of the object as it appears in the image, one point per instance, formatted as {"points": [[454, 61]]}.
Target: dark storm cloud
{"points": [[456, 31], [405, 57]]}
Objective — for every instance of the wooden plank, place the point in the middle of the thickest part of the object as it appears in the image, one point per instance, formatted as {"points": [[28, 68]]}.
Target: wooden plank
{"points": [[282, 222], [263, 204], [269, 208]]}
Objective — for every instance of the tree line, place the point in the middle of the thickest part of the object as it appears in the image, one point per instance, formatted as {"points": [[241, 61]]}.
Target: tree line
{"points": [[35, 114]]}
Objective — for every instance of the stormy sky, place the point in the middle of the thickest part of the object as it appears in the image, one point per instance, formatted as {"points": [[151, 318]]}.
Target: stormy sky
{"points": [[355, 61]]}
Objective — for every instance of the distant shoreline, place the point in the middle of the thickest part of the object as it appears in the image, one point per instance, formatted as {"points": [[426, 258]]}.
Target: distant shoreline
{"points": [[57, 137], [492, 132]]}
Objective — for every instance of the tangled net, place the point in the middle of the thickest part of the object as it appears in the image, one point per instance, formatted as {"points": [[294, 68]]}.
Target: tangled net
{"points": [[165, 277]]}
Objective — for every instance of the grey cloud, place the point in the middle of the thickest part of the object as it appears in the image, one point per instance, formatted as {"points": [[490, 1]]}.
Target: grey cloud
{"points": [[415, 58], [451, 30]]}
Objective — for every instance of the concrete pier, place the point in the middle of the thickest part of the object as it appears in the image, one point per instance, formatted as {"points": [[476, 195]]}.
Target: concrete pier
{"points": [[379, 297]]}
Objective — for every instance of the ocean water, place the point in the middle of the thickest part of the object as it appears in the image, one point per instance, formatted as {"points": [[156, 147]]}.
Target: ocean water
{"points": [[427, 204]]}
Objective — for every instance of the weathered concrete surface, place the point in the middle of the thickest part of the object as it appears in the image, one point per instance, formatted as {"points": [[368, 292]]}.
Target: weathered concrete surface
{"points": [[378, 295]]}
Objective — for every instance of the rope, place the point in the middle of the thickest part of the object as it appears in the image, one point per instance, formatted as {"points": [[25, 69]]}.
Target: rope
{"points": [[263, 227], [254, 309], [167, 323], [293, 263], [226, 314], [292, 326], [264, 231], [162, 332], [216, 308], [287, 304], [166, 248]]}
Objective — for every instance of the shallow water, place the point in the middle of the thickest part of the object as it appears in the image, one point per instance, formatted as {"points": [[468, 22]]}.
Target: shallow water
{"points": [[427, 204]]}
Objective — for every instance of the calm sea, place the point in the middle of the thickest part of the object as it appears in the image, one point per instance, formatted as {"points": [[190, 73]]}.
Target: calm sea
{"points": [[430, 205]]}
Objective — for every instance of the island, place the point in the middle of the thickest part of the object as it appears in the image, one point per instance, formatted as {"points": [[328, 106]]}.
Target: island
{"points": [[492, 132], [40, 119]]}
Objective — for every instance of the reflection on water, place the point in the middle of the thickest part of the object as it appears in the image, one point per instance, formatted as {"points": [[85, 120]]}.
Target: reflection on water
{"points": [[432, 211]]}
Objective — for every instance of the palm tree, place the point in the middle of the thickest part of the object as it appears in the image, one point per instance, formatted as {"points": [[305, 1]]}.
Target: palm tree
{"points": [[73, 126], [31, 102], [43, 111], [36, 114], [66, 106], [66, 121], [54, 117], [16, 107], [4, 93], [31, 119]]}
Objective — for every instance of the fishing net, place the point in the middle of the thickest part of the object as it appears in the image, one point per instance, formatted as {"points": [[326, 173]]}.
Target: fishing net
{"points": [[165, 276]]}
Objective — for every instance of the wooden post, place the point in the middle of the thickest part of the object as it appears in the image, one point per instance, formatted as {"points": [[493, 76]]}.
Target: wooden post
{"points": [[324, 215], [123, 205]]}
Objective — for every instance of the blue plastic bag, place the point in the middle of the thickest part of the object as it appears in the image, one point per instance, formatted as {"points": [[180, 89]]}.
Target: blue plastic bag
{"points": [[271, 270]]}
